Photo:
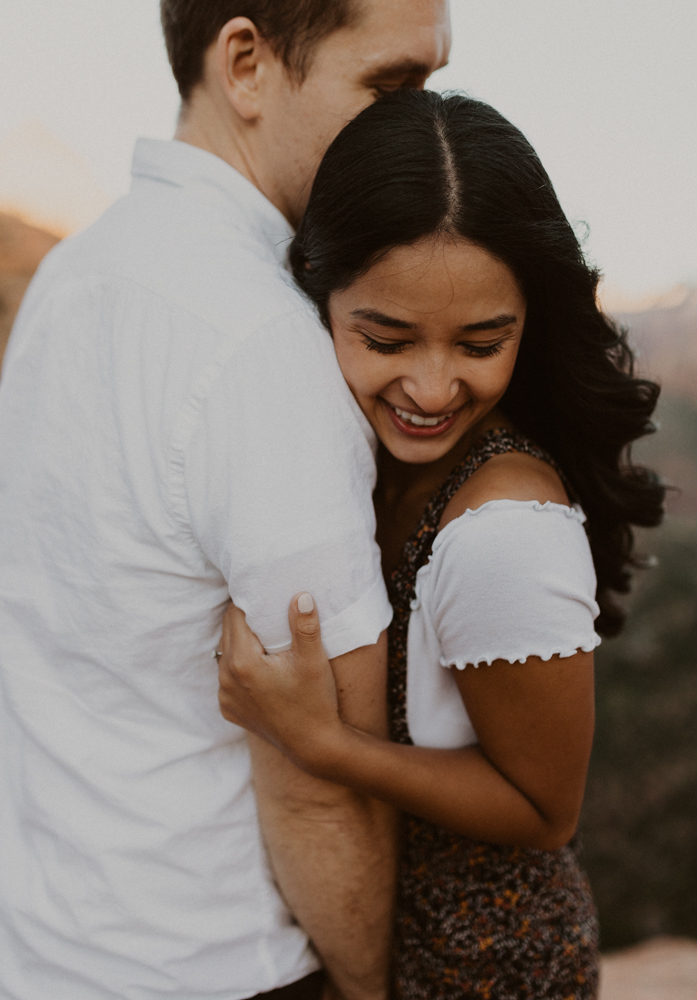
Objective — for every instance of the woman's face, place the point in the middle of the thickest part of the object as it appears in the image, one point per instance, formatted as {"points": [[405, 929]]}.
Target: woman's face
{"points": [[427, 341]]}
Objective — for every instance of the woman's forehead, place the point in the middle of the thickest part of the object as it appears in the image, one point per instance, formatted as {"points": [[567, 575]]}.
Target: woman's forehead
{"points": [[435, 278]]}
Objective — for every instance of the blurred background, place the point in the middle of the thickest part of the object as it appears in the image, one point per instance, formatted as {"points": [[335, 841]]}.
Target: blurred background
{"points": [[606, 90]]}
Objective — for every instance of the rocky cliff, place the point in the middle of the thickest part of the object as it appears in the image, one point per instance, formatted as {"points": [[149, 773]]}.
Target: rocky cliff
{"points": [[22, 248]]}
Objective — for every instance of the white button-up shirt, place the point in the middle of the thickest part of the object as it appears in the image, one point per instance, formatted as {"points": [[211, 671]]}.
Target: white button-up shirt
{"points": [[174, 428]]}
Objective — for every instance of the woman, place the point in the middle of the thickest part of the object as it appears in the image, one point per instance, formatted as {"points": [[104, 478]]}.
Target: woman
{"points": [[465, 322]]}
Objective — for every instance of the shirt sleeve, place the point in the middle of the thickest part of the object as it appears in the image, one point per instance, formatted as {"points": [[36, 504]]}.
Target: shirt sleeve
{"points": [[279, 472], [511, 580]]}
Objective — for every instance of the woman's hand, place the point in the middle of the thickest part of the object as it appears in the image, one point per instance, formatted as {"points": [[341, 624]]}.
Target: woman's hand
{"points": [[290, 698], [522, 785]]}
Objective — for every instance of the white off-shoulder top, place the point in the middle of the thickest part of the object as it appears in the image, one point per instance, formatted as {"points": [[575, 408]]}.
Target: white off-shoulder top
{"points": [[509, 580]]}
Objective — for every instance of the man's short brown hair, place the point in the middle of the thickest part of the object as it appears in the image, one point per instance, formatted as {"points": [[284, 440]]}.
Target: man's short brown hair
{"points": [[292, 27]]}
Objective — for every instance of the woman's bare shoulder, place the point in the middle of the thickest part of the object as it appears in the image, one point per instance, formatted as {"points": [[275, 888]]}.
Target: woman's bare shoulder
{"points": [[513, 476]]}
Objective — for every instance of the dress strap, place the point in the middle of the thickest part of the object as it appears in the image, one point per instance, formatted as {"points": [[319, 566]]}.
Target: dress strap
{"points": [[402, 583], [499, 441]]}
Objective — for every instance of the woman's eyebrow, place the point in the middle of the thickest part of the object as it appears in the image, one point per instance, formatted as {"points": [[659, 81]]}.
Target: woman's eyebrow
{"points": [[374, 316], [490, 324]]}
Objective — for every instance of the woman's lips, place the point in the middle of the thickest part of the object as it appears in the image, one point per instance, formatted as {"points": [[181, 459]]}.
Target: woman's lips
{"points": [[405, 425]]}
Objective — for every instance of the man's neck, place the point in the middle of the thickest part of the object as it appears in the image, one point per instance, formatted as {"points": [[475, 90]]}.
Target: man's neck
{"points": [[202, 124]]}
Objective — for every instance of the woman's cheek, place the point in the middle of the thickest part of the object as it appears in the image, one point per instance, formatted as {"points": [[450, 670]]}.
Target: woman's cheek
{"points": [[350, 362], [373, 373], [501, 374]]}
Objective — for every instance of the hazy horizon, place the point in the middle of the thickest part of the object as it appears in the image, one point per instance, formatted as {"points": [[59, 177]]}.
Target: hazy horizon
{"points": [[606, 91]]}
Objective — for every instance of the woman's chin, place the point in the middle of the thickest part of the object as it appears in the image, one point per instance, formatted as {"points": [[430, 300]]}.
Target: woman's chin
{"points": [[415, 450]]}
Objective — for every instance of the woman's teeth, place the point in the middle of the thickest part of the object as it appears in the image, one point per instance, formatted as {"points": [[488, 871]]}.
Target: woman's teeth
{"points": [[414, 418]]}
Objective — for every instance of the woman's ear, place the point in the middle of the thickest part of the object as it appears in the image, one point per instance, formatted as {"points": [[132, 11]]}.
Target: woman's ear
{"points": [[240, 59]]}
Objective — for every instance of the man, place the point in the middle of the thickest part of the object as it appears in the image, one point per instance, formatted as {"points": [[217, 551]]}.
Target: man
{"points": [[175, 431]]}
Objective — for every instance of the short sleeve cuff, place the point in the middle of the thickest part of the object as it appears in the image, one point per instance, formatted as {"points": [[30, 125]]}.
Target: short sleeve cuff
{"points": [[361, 624]]}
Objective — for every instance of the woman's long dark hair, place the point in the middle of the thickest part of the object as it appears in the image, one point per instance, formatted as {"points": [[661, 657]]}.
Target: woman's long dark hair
{"points": [[416, 164]]}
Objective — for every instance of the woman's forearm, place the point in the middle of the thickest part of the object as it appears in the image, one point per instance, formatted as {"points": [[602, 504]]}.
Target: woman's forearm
{"points": [[523, 785], [457, 789], [333, 853]]}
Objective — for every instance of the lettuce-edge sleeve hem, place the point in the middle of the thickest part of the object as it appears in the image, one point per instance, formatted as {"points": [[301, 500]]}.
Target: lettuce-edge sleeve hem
{"points": [[573, 513], [461, 662]]}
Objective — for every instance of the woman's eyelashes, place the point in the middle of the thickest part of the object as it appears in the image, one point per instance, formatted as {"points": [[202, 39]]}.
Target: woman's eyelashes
{"points": [[396, 347], [483, 350], [381, 347]]}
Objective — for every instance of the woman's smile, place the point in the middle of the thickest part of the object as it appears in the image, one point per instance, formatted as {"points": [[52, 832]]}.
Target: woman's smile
{"points": [[417, 425], [427, 340]]}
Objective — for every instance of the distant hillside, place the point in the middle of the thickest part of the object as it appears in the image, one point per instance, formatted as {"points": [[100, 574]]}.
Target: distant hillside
{"points": [[46, 183], [665, 335], [22, 248], [666, 339], [640, 815]]}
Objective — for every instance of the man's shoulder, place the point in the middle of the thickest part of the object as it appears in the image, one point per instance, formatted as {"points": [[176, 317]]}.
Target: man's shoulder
{"points": [[183, 257]]}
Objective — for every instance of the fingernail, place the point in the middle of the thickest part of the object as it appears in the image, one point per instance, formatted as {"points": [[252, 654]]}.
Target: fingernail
{"points": [[305, 604]]}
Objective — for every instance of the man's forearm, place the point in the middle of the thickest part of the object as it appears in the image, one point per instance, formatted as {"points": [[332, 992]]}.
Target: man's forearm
{"points": [[333, 853]]}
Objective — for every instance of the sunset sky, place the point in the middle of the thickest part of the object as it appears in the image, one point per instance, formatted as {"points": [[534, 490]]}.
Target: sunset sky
{"points": [[605, 89]]}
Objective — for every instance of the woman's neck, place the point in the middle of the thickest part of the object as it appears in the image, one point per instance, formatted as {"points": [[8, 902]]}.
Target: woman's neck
{"points": [[399, 483], [404, 489]]}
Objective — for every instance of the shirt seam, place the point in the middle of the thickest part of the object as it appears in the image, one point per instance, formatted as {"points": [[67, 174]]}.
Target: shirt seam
{"points": [[189, 417], [184, 310], [181, 520]]}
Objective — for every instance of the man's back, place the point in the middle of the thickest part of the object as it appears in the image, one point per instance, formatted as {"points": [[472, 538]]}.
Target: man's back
{"points": [[160, 379]]}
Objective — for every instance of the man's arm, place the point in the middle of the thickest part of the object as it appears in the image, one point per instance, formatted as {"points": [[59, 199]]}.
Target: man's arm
{"points": [[333, 851]]}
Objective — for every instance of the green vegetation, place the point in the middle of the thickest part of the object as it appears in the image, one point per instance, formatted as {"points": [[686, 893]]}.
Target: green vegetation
{"points": [[640, 818]]}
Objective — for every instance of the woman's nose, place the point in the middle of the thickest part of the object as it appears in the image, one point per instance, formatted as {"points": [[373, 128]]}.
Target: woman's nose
{"points": [[434, 392]]}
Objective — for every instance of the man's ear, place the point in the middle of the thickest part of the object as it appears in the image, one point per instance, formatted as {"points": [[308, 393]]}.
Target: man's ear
{"points": [[240, 59]]}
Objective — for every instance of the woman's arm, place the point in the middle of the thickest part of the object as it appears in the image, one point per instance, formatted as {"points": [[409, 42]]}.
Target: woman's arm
{"points": [[332, 849], [523, 784]]}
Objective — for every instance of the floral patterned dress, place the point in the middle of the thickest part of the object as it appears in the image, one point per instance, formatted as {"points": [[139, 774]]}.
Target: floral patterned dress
{"points": [[480, 920]]}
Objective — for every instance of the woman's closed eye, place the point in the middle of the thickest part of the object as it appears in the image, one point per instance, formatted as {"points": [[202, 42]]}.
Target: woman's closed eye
{"points": [[396, 347], [483, 350], [383, 347]]}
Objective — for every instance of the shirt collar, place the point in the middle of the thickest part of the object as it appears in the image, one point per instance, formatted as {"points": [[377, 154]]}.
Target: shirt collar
{"points": [[179, 163]]}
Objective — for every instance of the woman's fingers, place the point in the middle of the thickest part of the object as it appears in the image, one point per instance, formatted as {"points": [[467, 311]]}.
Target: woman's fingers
{"points": [[238, 636], [305, 629], [288, 698], [240, 645], [242, 657]]}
